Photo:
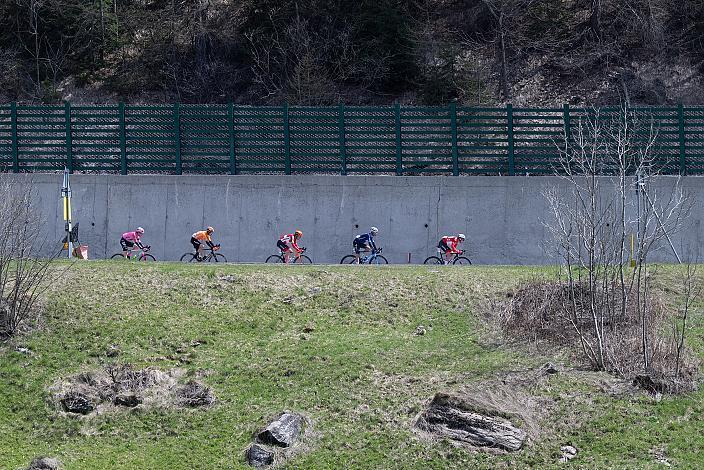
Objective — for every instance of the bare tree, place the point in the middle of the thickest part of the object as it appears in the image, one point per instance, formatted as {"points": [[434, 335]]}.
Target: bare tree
{"points": [[23, 267], [593, 226]]}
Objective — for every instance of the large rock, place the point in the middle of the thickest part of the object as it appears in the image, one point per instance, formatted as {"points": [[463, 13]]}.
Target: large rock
{"points": [[284, 431], [259, 456], [44, 463], [460, 420], [76, 402]]}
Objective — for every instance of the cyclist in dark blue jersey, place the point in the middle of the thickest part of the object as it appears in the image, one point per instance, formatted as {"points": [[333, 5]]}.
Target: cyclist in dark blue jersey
{"points": [[364, 243]]}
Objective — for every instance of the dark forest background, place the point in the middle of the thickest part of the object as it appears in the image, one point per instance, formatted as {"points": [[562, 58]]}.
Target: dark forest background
{"points": [[317, 52]]}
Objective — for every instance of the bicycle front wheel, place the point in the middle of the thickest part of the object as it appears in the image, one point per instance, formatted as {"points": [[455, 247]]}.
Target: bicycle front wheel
{"points": [[147, 257], [117, 255], [432, 260], [274, 259], [462, 260], [188, 257], [218, 258], [303, 259], [349, 259], [379, 260]]}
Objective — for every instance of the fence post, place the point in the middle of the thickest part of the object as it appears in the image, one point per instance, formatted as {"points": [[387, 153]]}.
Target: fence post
{"points": [[287, 142], [231, 135], [399, 155], [509, 119], [568, 128], [69, 143], [177, 136], [683, 155], [343, 150], [453, 126], [15, 154], [123, 139]]}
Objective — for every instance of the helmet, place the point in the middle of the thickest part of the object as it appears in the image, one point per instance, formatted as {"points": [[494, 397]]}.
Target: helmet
{"points": [[298, 233], [139, 230], [374, 230], [461, 236], [210, 229]]}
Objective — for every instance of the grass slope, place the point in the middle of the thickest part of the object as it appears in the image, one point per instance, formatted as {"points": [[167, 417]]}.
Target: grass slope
{"points": [[361, 374]]}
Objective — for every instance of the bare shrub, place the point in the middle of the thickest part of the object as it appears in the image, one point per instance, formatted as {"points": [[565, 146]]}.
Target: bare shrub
{"points": [[602, 305], [24, 269]]}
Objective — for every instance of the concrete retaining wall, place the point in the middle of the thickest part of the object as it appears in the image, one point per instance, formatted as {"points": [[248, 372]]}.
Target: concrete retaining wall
{"points": [[500, 215]]}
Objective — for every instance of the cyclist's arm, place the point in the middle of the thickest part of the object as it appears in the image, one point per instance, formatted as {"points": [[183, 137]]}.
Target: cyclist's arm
{"points": [[371, 242], [295, 245]]}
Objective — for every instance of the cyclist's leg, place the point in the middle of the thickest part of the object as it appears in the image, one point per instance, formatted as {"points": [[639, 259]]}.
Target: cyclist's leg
{"points": [[285, 250], [357, 248], [126, 247], [197, 246]]}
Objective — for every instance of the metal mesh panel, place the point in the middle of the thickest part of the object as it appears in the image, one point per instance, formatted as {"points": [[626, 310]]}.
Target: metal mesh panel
{"points": [[259, 139], [5, 139], [150, 139], [95, 138], [370, 140], [426, 140], [205, 139], [482, 139], [41, 138], [694, 140], [314, 135], [538, 135]]}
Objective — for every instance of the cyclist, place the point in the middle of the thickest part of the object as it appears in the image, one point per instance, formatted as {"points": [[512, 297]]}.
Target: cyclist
{"points": [[130, 239], [283, 244], [203, 236], [448, 245], [364, 243]]}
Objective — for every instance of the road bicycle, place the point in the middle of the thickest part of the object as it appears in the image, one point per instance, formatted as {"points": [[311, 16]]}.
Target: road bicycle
{"points": [[281, 258], [373, 258], [457, 259], [141, 255], [211, 256]]}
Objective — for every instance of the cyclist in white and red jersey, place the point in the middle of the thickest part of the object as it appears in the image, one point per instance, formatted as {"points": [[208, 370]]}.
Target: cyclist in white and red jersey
{"points": [[130, 239], [286, 242], [448, 245]]}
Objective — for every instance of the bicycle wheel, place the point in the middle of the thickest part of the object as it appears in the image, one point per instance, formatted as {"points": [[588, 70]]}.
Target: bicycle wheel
{"points": [[274, 259], [432, 260], [218, 258], [462, 260], [379, 260], [117, 255], [303, 259], [147, 257], [349, 259], [188, 257]]}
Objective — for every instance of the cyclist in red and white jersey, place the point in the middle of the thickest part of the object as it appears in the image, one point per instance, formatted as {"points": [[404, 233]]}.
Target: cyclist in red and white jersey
{"points": [[288, 242], [448, 245]]}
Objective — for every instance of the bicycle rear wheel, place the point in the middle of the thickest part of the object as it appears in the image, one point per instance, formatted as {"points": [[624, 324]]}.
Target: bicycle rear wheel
{"points": [[117, 255], [274, 259], [349, 259], [147, 257], [218, 258], [303, 259], [432, 260], [462, 260], [379, 260], [188, 257]]}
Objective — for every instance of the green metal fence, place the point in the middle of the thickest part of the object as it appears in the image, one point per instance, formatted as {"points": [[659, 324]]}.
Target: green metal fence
{"points": [[408, 140]]}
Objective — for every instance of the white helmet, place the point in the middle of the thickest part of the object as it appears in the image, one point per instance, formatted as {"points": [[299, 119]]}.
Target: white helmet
{"points": [[139, 230], [374, 230], [461, 236]]}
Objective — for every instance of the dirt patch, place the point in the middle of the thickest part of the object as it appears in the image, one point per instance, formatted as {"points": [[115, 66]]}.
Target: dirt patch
{"points": [[121, 387]]}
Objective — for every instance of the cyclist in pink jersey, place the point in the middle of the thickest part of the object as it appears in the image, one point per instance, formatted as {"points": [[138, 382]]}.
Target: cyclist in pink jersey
{"points": [[130, 239]]}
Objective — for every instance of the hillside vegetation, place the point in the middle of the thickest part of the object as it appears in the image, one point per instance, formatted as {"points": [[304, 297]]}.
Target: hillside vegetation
{"points": [[358, 51], [338, 344]]}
